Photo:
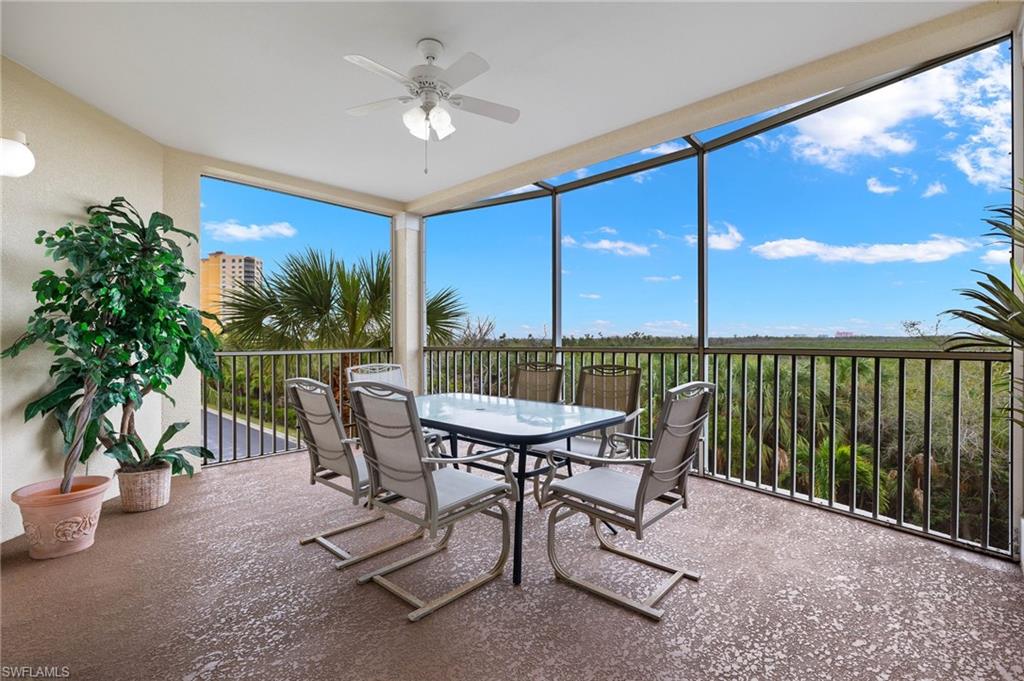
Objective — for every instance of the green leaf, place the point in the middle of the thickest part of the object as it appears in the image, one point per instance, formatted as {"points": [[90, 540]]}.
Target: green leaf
{"points": [[122, 453], [64, 390], [171, 431]]}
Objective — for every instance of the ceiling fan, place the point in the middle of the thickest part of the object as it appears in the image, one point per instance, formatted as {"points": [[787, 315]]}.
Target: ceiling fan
{"points": [[433, 87]]}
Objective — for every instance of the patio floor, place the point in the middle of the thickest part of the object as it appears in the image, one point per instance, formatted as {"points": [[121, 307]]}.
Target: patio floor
{"points": [[215, 586]]}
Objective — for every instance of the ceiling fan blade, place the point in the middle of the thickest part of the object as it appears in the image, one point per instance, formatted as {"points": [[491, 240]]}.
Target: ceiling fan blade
{"points": [[376, 106], [482, 107], [379, 69], [468, 67]]}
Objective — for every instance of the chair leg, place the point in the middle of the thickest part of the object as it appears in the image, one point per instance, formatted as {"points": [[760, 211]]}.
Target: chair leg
{"points": [[645, 607], [346, 558], [424, 608]]}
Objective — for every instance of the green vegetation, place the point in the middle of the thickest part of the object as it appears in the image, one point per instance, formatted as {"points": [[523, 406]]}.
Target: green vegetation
{"points": [[118, 330]]}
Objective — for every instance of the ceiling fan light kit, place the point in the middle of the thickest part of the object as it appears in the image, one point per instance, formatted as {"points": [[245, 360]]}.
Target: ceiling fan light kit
{"points": [[433, 88]]}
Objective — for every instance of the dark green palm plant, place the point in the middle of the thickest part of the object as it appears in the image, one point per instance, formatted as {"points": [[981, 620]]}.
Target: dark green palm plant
{"points": [[318, 301], [999, 311], [115, 323]]}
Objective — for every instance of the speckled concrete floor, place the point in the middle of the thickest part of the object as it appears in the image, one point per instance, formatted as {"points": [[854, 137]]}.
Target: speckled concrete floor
{"points": [[215, 587]]}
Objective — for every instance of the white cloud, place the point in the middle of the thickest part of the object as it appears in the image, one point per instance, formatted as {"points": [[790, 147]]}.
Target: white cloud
{"points": [[659, 279], [996, 256], [606, 230], [875, 186], [904, 172], [591, 296], [580, 173], [643, 176], [567, 240], [666, 327], [934, 189], [935, 249], [618, 247], [664, 148], [519, 190], [665, 236], [232, 230], [725, 238], [970, 94]]}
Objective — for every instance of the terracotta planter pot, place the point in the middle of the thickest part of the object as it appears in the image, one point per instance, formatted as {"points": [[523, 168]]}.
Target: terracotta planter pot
{"points": [[58, 524], [144, 490]]}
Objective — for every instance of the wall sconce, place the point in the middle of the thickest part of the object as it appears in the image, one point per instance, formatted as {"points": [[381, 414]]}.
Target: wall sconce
{"points": [[16, 159]]}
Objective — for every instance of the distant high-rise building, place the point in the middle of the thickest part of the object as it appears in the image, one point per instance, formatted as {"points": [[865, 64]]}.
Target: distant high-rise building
{"points": [[220, 273]]}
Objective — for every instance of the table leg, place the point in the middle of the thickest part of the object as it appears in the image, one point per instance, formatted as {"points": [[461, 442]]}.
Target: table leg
{"points": [[517, 549], [453, 446]]}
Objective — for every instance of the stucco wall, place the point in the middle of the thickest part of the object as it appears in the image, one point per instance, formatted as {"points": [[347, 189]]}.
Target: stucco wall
{"points": [[83, 157]]}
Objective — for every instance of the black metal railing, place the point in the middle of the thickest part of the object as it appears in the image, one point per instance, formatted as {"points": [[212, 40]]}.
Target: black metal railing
{"points": [[246, 411], [916, 440]]}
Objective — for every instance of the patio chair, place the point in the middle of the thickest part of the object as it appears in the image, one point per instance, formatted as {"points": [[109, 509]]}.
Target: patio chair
{"points": [[332, 457], [607, 386], [392, 374], [619, 498], [400, 464], [539, 381], [380, 372]]}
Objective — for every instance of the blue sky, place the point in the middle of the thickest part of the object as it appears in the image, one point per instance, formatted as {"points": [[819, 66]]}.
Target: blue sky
{"points": [[854, 219]]}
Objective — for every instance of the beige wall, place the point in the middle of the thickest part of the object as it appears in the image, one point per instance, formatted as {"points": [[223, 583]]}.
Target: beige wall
{"points": [[82, 157]]}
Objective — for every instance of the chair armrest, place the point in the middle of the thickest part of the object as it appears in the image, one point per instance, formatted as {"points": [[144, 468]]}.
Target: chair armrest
{"points": [[634, 415], [584, 458], [468, 458]]}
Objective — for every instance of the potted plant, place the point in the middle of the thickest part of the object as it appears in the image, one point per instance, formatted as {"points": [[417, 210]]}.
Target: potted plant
{"points": [[114, 321]]}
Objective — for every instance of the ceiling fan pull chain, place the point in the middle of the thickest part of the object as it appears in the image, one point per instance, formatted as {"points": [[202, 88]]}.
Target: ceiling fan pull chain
{"points": [[426, 142]]}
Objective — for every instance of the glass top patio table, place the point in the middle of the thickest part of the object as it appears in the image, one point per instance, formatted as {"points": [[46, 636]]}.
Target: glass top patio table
{"points": [[511, 421]]}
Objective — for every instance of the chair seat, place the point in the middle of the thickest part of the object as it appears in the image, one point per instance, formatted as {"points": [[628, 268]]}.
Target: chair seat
{"points": [[361, 471], [456, 488], [602, 486]]}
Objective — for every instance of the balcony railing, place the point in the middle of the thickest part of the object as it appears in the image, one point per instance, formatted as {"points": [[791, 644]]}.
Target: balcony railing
{"points": [[246, 412], [919, 441]]}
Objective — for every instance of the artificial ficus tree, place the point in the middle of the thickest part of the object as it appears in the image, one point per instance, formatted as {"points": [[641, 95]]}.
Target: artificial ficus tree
{"points": [[117, 328]]}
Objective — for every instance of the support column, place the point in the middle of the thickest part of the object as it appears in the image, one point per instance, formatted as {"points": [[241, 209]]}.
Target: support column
{"points": [[408, 299], [1017, 155]]}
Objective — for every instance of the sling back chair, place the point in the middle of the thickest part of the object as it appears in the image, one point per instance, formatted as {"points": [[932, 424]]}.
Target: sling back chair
{"points": [[607, 386], [400, 463], [332, 457], [537, 381], [383, 372], [619, 498]]}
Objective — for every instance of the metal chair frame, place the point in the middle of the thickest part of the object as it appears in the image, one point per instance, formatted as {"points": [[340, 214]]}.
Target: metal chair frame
{"points": [[319, 453], [434, 519], [569, 503], [610, 446]]}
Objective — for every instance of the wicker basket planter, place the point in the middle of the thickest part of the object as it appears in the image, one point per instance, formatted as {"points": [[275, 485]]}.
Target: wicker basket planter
{"points": [[144, 490]]}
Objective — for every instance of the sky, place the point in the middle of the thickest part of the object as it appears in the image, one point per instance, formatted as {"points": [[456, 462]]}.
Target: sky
{"points": [[855, 219]]}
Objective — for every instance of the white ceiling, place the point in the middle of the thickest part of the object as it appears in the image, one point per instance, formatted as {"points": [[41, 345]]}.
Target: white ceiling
{"points": [[265, 84]]}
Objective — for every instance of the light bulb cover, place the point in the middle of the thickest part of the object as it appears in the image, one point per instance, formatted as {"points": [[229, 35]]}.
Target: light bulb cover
{"points": [[16, 159], [441, 122], [415, 120]]}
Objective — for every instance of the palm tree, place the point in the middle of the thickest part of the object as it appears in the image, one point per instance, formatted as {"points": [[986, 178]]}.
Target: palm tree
{"points": [[317, 301]]}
